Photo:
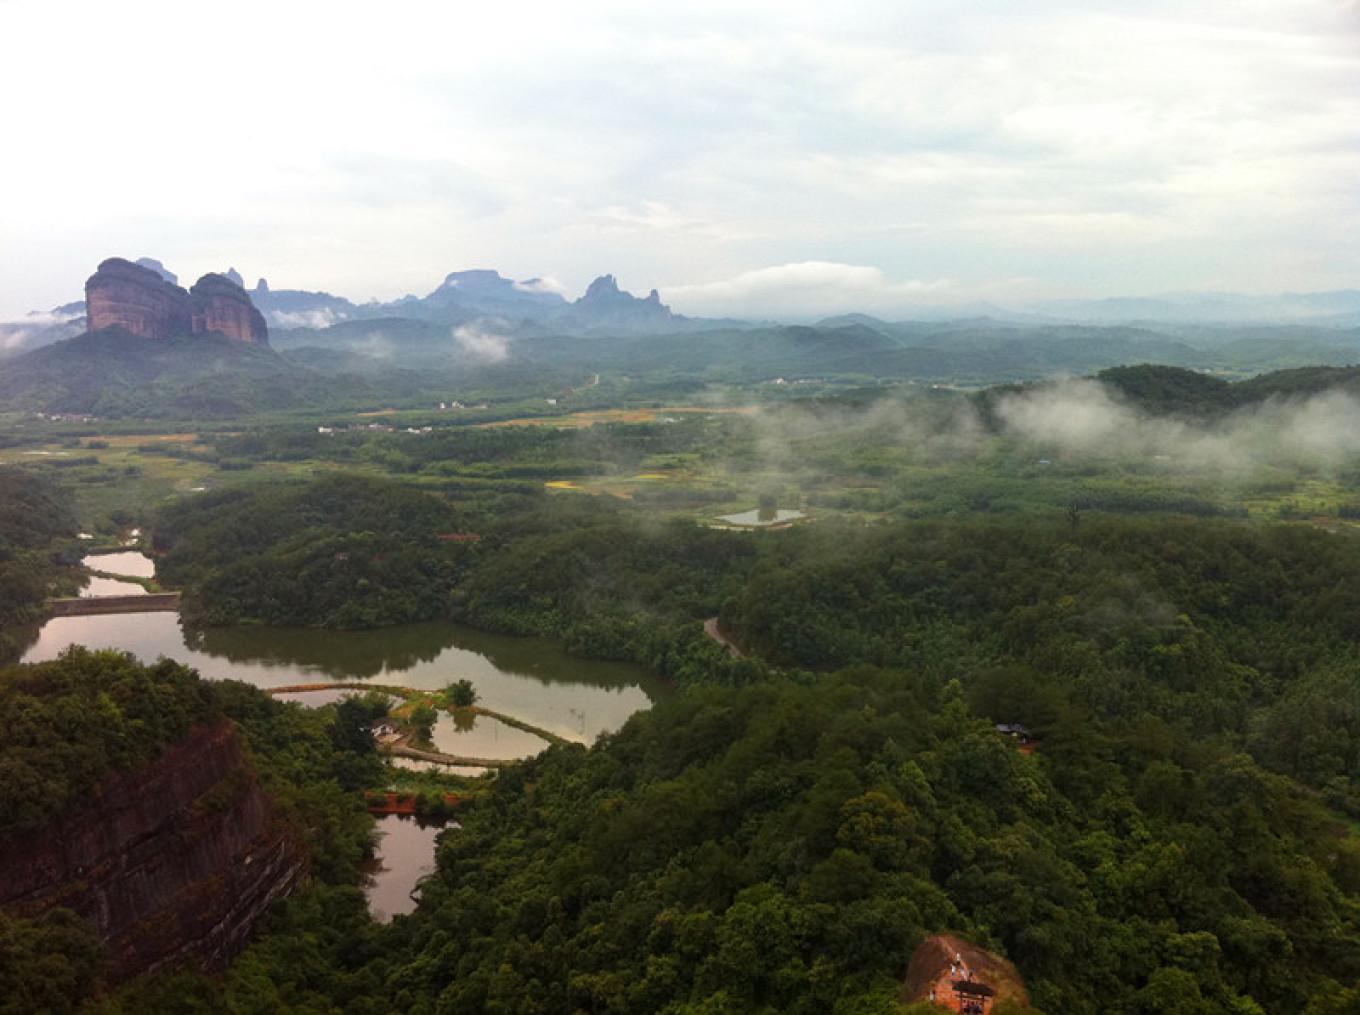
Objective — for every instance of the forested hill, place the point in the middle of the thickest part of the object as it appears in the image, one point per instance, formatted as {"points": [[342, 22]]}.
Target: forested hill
{"points": [[1181, 841], [115, 373], [1168, 390]]}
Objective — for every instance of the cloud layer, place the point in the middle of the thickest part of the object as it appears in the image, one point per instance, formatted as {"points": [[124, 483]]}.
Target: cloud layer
{"points": [[1044, 149]]}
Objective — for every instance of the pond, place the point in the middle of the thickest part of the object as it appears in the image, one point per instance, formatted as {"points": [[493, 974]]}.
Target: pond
{"points": [[760, 517], [128, 562], [405, 854]]}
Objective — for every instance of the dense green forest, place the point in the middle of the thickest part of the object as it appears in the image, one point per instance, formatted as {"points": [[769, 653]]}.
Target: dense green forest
{"points": [[783, 848], [35, 523], [338, 552], [780, 834]]}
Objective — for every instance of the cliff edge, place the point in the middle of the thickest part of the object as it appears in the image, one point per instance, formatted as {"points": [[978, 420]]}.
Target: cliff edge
{"points": [[141, 300], [175, 861]]}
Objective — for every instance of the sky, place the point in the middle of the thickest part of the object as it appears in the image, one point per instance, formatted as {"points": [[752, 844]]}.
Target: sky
{"points": [[771, 159]]}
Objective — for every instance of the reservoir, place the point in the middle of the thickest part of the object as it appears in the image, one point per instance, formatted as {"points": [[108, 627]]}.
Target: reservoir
{"points": [[530, 678], [761, 517]]}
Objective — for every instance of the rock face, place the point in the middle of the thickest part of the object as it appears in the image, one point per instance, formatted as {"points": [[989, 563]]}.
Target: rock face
{"points": [[605, 305], [126, 295], [173, 862], [140, 300], [220, 305]]}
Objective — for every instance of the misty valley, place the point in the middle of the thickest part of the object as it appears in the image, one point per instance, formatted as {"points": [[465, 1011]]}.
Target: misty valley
{"points": [[737, 670], [680, 508]]}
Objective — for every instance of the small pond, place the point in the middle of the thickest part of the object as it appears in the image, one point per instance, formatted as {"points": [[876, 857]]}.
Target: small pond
{"points": [[405, 854], [760, 517]]}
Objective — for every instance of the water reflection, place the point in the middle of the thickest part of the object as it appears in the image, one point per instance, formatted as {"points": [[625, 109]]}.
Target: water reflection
{"points": [[129, 562], [97, 586], [529, 678], [468, 735], [405, 854], [762, 516]]}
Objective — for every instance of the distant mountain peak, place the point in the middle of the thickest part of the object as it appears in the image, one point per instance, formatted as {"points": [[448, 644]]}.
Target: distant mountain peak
{"points": [[475, 277], [603, 288], [158, 268], [604, 294]]}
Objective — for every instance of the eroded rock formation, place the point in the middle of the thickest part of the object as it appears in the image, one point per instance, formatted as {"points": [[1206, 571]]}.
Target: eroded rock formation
{"points": [[218, 304], [173, 862], [126, 295]]}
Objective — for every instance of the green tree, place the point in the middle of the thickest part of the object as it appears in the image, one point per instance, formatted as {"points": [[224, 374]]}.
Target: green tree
{"points": [[461, 693]]}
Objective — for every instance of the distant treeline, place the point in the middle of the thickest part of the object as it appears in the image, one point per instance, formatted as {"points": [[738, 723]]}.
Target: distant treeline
{"points": [[1177, 391]]}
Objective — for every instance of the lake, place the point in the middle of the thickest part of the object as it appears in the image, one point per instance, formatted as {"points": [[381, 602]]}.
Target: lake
{"points": [[529, 678]]}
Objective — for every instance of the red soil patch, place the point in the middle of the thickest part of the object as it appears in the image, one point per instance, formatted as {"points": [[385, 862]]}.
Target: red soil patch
{"points": [[944, 962], [395, 803]]}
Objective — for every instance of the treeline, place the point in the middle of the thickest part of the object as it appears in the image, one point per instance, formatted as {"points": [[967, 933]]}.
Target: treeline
{"points": [[1167, 390], [347, 552], [1214, 628], [35, 517], [506, 452]]}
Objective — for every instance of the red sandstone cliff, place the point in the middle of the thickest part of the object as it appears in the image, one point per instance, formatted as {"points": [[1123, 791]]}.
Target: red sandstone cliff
{"points": [[126, 295], [219, 304], [129, 296], [173, 862]]}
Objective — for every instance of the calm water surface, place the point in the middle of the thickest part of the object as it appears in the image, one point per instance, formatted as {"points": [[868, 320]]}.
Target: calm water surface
{"points": [[128, 562], [758, 517], [405, 854], [530, 678]]}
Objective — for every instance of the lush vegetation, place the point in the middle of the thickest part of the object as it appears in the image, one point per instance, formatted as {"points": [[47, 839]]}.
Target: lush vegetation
{"points": [[339, 552], [782, 833], [784, 847], [1183, 840], [35, 523], [73, 722]]}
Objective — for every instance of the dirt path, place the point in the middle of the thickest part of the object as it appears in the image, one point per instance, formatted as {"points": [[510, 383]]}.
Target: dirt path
{"points": [[713, 631], [406, 751]]}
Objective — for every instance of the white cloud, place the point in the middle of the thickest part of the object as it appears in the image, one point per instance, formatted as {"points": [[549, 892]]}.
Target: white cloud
{"points": [[802, 289], [322, 317], [541, 285], [480, 344]]}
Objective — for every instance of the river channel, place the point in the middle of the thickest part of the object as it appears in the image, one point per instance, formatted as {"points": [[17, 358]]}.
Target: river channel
{"points": [[532, 679]]}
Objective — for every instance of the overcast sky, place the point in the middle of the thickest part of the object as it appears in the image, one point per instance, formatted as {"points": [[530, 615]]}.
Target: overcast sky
{"points": [[777, 158]]}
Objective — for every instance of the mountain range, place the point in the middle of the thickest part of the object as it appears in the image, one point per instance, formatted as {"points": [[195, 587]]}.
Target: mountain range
{"points": [[146, 345]]}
